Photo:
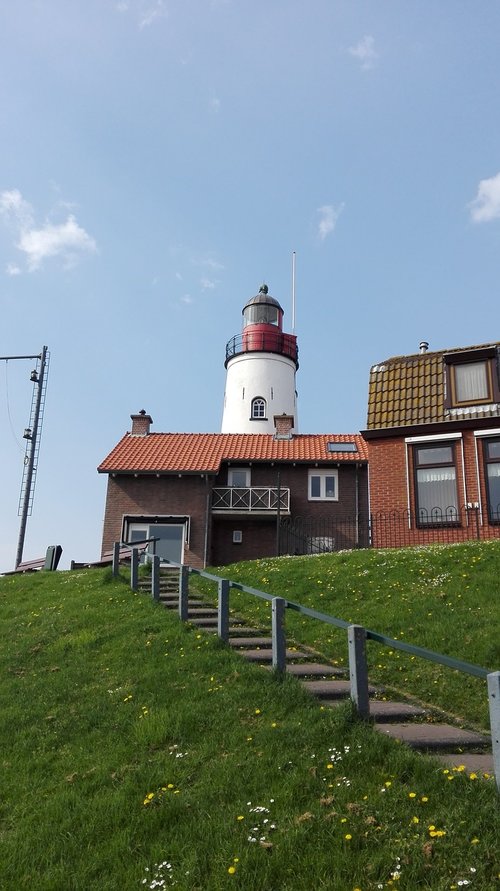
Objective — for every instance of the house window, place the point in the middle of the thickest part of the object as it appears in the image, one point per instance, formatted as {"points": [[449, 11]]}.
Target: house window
{"points": [[323, 485], [258, 409], [492, 474], [472, 382], [436, 484], [237, 536], [238, 477]]}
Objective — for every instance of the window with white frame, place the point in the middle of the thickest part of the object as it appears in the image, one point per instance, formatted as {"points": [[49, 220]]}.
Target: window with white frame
{"points": [[238, 477], [323, 485], [258, 409], [435, 483], [491, 453]]}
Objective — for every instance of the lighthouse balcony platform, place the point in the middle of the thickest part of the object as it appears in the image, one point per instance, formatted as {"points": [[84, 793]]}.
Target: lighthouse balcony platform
{"points": [[266, 340], [254, 499]]}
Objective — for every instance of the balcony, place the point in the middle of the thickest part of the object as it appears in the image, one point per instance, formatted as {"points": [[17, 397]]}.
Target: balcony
{"points": [[254, 500]]}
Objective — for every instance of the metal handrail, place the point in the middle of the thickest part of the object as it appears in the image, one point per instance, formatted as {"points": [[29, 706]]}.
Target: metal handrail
{"points": [[357, 636]]}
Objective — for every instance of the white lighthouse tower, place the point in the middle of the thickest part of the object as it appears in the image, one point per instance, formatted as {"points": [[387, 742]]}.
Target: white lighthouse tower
{"points": [[261, 365]]}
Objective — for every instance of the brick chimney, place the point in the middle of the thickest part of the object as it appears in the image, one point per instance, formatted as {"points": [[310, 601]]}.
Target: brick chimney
{"points": [[141, 423], [283, 425]]}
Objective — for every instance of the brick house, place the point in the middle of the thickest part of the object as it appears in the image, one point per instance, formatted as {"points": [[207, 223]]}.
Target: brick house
{"points": [[433, 435], [217, 498]]}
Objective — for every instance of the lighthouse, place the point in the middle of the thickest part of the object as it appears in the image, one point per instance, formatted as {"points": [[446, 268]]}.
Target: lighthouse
{"points": [[261, 364]]}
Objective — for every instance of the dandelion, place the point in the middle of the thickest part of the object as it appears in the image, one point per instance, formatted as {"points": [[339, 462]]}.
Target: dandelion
{"points": [[348, 836], [257, 711], [232, 870]]}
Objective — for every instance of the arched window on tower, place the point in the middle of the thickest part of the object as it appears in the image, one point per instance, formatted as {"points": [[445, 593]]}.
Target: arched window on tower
{"points": [[258, 409]]}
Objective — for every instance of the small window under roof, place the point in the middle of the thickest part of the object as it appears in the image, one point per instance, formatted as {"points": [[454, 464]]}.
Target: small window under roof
{"points": [[341, 447]]}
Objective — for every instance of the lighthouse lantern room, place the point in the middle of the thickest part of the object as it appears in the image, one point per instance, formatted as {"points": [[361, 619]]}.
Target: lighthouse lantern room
{"points": [[261, 364]]}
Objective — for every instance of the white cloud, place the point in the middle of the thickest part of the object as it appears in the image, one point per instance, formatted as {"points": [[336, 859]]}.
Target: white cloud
{"points": [[146, 11], [214, 104], [207, 284], [65, 240], [365, 52], [486, 204], [187, 299], [149, 12], [15, 210], [328, 219]]}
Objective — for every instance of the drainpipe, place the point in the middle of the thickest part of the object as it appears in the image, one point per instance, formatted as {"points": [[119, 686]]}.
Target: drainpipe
{"points": [[278, 517], [207, 520]]}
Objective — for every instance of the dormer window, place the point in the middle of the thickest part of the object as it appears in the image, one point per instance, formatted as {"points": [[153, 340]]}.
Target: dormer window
{"points": [[472, 379]]}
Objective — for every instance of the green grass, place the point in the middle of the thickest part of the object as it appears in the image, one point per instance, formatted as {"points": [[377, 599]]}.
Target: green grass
{"points": [[443, 598], [129, 740]]}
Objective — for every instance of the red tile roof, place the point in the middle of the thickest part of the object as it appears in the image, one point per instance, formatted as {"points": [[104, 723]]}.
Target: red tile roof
{"points": [[205, 452]]}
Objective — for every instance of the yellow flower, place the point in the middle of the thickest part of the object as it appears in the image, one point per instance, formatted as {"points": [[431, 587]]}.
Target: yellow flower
{"points": [[257, 711], [348, 837], [473, 776], [232, 870], [240, 817], [412, 794]]}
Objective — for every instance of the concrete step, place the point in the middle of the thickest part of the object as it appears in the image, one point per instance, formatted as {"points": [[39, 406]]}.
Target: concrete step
{"points": [[428, 737], [332, 689], [473, 762], [266, 654], [265, 642], [313, 669], [172, 600], [383, 710]]}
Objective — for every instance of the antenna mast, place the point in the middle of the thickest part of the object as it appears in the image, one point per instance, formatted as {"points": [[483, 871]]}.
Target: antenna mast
{"points": [[293, 292]]}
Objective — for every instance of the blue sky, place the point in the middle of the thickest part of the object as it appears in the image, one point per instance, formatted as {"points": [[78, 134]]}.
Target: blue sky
{"points": [[160, 159]]}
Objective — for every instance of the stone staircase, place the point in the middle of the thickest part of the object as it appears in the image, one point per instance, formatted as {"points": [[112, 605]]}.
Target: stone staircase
{"points": [[410, 724]]}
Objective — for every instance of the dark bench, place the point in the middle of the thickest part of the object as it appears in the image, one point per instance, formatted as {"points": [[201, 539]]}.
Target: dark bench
{"points": [[50, 562]]}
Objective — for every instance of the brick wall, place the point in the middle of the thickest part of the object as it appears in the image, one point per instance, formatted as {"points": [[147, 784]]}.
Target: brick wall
{"points": [[392, 494], [187, 495], [158, 496]]}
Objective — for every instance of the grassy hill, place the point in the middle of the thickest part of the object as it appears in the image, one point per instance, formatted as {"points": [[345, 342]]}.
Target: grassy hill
{"points": [[445, 598], [136, 750]]}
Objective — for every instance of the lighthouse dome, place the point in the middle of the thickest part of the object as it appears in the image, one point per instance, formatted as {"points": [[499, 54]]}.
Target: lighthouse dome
{"points": [[262, 309]]}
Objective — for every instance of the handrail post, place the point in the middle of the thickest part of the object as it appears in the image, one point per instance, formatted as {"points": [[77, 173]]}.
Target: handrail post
{"points": [[155, 577], [494, 704], [358, 669], [223, 586], [278, 634], [116, 559], [183, 593], [134, 569]]}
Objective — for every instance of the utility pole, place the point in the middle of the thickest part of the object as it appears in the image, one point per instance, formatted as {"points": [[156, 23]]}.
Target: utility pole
{"points": [[32, 436]]}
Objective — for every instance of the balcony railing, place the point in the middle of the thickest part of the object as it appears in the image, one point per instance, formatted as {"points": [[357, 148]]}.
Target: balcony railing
{"points": [[255, 499]]}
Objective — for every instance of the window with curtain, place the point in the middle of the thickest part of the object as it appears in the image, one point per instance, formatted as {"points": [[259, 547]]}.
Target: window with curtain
{"points": [[492, 475], [436, 484], [472, 382]]}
